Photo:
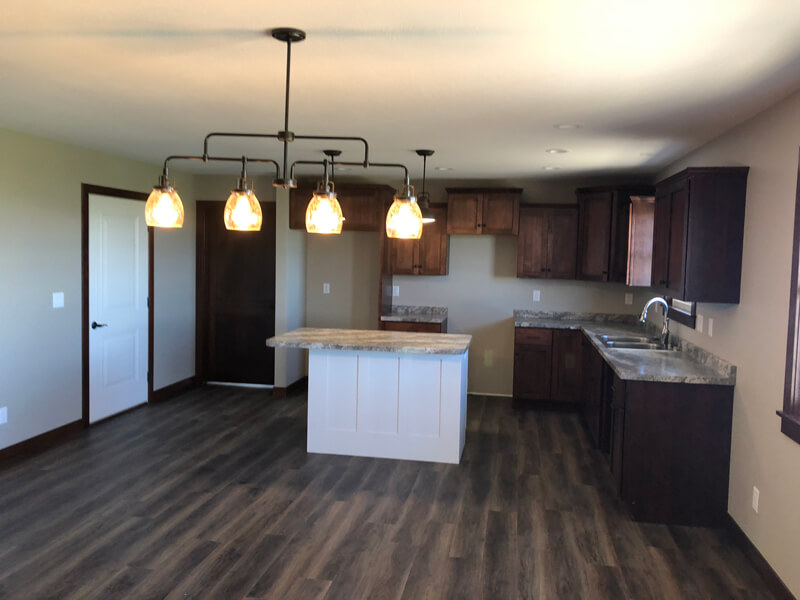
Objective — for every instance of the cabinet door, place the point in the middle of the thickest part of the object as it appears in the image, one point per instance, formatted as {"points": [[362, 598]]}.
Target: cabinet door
{"points": [[500, 213], [566, 378], [562, 243], [532, 242], [464, 213], [432, 246], [661, 229], [403, 256], [679, 205], [361, 209], [413, 327], [591, 378], [532, 369], [617, 430], [594, 236]]}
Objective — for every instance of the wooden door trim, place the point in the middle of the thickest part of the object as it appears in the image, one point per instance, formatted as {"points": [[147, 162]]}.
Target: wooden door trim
{"points": [[86, 190]]}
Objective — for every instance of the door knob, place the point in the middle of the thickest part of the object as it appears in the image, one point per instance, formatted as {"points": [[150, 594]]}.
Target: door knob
{"points": [[95, 324]]}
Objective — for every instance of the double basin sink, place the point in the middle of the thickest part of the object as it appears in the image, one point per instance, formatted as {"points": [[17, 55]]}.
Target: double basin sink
{"points": [[628, 342]]}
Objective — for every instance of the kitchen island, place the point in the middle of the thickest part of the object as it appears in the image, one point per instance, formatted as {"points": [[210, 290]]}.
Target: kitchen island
{"points": [[384, 394]]}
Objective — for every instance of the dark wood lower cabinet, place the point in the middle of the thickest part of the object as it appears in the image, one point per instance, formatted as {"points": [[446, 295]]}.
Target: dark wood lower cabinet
{"points": [[547, 364], [668, 443], [415, 327]]}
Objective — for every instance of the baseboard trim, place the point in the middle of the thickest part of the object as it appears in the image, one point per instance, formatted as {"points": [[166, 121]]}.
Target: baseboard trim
{"points": [[282, 392], [173, 390], [41, 442], [762, 567]]}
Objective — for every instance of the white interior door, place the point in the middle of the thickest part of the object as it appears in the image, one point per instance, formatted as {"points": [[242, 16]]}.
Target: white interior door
{"points": [[117, 306]]}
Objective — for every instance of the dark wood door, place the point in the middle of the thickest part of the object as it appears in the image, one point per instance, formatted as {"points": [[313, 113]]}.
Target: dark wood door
{"points": [[661, 229], [432, 246], [594, 236], [566, 379], [464, 213], [500, 213], [532, 242], [532, 371], [235, 298], [679, 205], [562, 243]]}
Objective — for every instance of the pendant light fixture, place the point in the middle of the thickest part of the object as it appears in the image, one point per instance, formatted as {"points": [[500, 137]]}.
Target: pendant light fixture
{"points": [[242, 210], [323, 213], [424, 197], [164, 207], [404, 219]]}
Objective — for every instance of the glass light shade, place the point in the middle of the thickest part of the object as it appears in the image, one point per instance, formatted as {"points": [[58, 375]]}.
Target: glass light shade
{"points": [[404, 219], [164, 208], [243, 211], [323, 214]]}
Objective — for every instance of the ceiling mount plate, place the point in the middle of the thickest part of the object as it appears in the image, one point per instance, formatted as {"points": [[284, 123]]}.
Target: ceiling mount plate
{"points": [[331, 153], [288, 34], [424, 152]]}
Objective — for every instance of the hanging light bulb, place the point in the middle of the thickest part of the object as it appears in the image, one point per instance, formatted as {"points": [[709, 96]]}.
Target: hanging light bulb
{"points": [[164, 207], [404, 219], [324, 214], [242, 210], [424, 197]]}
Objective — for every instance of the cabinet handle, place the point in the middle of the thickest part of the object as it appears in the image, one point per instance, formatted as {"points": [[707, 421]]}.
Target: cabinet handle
{"points": [[662, 282]]}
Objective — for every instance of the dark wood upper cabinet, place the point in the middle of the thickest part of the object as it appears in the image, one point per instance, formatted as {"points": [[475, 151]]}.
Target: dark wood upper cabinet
{"points": [[547, 241], [604, 234], [698, 234], [363, 205], [425, 256], [476, 211]]}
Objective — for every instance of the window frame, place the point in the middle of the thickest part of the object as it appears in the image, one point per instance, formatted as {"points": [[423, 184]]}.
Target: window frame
{"points": [[790, 415]]}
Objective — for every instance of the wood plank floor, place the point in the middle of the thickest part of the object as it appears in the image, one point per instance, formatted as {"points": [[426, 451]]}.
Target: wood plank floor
{"points": [[212, 495]]}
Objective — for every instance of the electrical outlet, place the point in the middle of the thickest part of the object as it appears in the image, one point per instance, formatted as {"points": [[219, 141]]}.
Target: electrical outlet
{"points": [[628, 298], [699, 324], [3, 415], [395, 291], [711, 328], [537, 295], [756, 494], [326, 288], [58, 299]]}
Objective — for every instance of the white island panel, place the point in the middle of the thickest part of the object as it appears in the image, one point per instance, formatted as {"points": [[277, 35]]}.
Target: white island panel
{"points": [[403, 407]]}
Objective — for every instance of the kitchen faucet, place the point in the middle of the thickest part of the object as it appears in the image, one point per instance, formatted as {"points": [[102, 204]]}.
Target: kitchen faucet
{"points": [[665, 329]]}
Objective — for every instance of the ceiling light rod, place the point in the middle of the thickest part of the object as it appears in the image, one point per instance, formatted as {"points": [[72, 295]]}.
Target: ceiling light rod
{"points": [[220, 159], [358, 164]]}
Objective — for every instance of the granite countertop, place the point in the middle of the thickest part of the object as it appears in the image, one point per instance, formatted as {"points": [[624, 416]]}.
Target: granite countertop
{"points": [[400, 342], [416, 314], [690, 364]]}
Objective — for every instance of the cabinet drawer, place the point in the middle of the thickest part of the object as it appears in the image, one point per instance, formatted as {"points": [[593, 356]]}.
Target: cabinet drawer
{"points": [[412, 326], [525, 335]]}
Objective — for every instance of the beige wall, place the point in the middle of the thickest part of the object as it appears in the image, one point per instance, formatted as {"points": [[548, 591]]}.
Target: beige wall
{"points": [[752, 334], [40, 253]]}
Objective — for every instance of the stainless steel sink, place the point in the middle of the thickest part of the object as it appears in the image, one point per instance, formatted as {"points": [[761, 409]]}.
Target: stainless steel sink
{"points": [[629, 339], [626, 345]]}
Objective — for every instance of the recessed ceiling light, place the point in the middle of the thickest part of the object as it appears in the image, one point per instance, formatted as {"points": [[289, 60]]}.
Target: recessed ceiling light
{"points": [[646, 154], [567, 126], [444, 168], [556, 151], [338, 168], [550, 168]]}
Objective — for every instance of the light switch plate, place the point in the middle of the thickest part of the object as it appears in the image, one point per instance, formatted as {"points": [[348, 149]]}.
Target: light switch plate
{"points": [[537, 295], [711, 328], [699, 324], [326, 288], [628, 298], [395, 290], [3, 415], [58, 299], [756, 495]]}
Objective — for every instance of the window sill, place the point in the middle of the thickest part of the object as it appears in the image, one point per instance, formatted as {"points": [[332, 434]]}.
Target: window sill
{"points": [[790, 425]]}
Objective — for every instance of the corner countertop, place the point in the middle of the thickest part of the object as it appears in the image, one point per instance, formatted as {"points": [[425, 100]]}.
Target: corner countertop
{"points": [[398, 342], [416, 314], [690, 364]]}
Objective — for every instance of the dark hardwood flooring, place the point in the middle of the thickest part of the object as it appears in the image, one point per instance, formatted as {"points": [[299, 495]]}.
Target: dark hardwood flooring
{"points": [[212, 495]]}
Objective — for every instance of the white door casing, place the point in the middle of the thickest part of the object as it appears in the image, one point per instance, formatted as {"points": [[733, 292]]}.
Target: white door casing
{"points": [[118, 290]]}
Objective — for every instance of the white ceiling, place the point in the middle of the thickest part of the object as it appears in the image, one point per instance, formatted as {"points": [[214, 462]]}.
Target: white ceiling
{"points": [[481, 83]]}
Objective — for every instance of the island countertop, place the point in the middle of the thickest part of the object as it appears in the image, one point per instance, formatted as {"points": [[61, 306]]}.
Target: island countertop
{"points": [[400, 342]]}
